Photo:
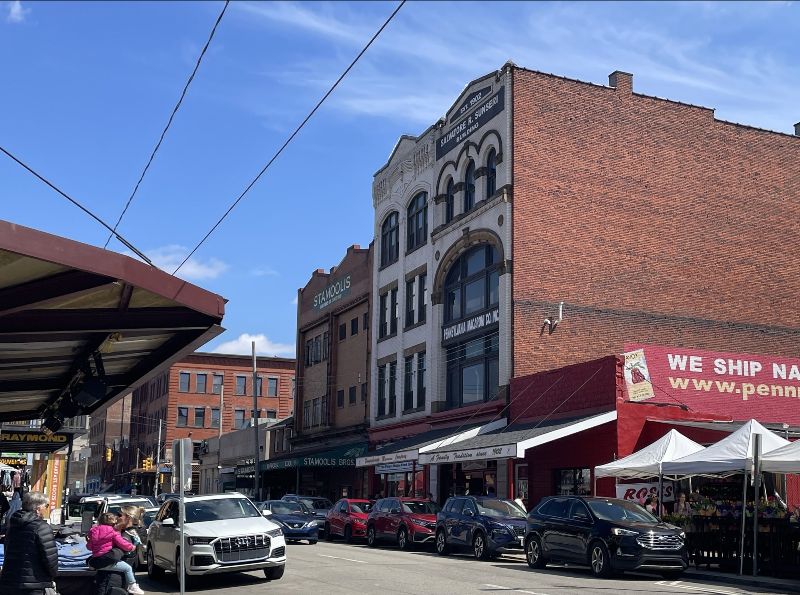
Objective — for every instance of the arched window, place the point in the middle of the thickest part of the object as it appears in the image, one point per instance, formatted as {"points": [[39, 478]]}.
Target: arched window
{"points": [[417, 222], [450, 201], [390, 240], [469, 186], [491, 174], [472, 293]]}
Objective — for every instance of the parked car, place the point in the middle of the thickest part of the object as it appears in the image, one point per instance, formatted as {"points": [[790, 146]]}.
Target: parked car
{"points": [[164, 496], [316, 504], [405, 521], [297, 524], [147, 518], [224, 533], [488, 526], [348, 519], [605, 533]]}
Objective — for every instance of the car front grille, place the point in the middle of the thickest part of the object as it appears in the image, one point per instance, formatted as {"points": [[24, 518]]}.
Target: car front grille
{"points": [[242, 548], [278, 552], [655, 541]]}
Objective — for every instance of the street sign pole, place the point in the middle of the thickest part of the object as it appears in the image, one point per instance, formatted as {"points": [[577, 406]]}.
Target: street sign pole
{"points": [[256, 494], [182, 474]]}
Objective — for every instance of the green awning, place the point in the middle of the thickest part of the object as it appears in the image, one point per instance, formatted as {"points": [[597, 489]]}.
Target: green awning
{"points": [[341, 456]]}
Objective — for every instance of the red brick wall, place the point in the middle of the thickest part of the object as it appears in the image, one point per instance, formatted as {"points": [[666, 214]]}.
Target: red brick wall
{"points": [[653, 222]]}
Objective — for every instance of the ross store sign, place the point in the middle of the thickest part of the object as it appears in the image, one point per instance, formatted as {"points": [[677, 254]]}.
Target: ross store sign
{"points": [[742, 386], [476, 454], [470, 325], [395, 457], [639, 491], [332, 293], [480, 113]]}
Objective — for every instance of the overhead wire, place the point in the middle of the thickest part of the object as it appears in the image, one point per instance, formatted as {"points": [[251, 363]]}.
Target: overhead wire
{"points": [[169, 122], [291, 137]]}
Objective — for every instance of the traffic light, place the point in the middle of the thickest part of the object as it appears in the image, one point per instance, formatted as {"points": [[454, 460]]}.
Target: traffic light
{"points": [[108, 454], [147, 464]]}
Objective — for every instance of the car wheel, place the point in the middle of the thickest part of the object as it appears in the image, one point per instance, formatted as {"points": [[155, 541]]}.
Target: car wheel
{"points": [[479, 547], [348, 534], [441, 543], [403, 542], [533, 553], [599, 559], [188, 580], [671, 575], [328, 535], [372, 540], [154, 571], [274, 573], [312, 542]]}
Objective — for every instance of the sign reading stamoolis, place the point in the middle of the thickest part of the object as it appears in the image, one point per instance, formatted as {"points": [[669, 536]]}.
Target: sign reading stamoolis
{"points": [[332, 293], [742, 386]]}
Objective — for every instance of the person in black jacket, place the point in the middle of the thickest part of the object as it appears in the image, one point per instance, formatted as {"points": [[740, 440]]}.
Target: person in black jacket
{"points": [[31, 555]]}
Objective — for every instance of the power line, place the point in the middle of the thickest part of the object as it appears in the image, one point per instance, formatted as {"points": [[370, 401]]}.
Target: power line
{"points": [[169, 122], [291, 137], [127, 244]]}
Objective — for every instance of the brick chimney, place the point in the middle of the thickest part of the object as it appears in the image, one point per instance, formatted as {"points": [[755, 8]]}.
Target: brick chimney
{"points": [[797, 129], [621, 81]]}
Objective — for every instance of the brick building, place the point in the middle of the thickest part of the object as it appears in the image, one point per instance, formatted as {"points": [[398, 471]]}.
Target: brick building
{"points": [[654, 223], [110, 459], [185, 402]]}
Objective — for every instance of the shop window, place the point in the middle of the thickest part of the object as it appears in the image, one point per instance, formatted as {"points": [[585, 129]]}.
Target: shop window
{"points": [[491, 173], [449, 201], [238, 419], [183, 382], [573, 482], [214, 417], [469, 186], [342, 332], [183, 417], [200, 417], [340, 398], [390, 239], [216, 383], [241, 385], [201, 380], [351, 397], [417, 222], [272, 387], [354, 327]]}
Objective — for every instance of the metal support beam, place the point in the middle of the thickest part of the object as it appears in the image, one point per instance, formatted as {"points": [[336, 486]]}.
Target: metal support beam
{"points": [[40, 292]]}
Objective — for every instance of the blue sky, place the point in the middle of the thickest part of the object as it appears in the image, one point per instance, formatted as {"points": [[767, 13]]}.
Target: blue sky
{"points": [[86, 89]]}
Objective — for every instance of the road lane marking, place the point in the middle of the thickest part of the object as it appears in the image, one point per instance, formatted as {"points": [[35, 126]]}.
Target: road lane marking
{"points": [[512, 589], [348, 559], [680, 585]]}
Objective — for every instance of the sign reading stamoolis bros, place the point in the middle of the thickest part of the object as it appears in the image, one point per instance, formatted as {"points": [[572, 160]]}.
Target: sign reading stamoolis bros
{"points": [[739, 385], [332, 293]]}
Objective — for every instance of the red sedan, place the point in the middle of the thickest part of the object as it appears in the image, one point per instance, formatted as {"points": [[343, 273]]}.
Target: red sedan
{"points": [[348, 519], [405, 521]]}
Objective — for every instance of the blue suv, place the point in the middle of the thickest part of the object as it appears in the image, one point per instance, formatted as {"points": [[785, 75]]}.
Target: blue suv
{"points": [[487, 526]]}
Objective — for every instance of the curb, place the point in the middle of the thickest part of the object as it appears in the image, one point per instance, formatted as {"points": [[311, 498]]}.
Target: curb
{"points": [[765, 582]]}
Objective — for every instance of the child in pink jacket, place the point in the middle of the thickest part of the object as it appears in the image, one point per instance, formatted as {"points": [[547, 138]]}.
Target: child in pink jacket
{"points": [[102, 538]]}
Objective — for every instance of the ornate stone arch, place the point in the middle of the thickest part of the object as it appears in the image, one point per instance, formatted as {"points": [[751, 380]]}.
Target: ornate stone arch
{"points": [[471, 238]]}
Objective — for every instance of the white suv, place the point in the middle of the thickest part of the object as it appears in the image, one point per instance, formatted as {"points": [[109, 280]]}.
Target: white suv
{"points": [[224, 533]]}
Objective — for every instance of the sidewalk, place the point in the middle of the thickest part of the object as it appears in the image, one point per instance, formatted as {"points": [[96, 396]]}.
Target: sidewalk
{"points": [[781, 585]]}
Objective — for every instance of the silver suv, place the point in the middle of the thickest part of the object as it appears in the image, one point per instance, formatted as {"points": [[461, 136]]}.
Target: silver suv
{"points": [[224, 533]]}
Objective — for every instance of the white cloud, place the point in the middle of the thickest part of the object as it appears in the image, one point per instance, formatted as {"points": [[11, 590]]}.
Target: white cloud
{"points": [[243, 346], [264, 272], [16, 12], [294, 301], [167, 258]]}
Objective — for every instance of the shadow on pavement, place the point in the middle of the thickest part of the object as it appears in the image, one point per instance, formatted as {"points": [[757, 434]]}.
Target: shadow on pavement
{"points": [[204, 583]]}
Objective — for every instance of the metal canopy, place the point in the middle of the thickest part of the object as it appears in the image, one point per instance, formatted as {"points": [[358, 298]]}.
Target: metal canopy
{"points": [[70, 312]]}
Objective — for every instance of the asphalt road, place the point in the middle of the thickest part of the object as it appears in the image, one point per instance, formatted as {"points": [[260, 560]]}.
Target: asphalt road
{"points": [[334, 568]]}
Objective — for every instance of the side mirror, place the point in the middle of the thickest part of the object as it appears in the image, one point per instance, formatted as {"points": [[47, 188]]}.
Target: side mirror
{"points": [[170, 522], [266, 512], [469, 512]]}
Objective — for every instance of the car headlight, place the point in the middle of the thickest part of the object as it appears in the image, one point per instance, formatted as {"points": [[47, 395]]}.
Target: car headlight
{"points": [[275, 532], [682, 535], [200, 540], [621, 532]]}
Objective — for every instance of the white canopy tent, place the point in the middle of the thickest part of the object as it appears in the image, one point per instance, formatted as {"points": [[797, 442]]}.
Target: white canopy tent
{"points": [[648, 461], [785, 459]]}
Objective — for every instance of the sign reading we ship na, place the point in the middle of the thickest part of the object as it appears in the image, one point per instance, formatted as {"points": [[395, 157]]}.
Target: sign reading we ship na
{"points": [[480, 114], [332, 293], [465, 327]]}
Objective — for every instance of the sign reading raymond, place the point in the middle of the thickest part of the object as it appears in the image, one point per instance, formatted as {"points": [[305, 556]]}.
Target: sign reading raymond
{"points": [[743, 386], [637, 378], [332, 293]]}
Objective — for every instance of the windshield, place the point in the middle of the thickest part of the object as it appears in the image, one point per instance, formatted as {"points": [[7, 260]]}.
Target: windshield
{"points": [[420, 507], [500, 508], [149, 517], [73, 509], [285, 507], [116, 507], [317, 503], [363, 507], [201, 511], [620, 511]]}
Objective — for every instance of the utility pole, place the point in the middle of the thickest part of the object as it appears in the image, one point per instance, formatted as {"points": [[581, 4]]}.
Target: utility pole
{"points": [[256, 491], [158, 460]]}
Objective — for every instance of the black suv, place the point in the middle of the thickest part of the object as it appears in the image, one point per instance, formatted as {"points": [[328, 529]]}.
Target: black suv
{"points": [[605, 533]]}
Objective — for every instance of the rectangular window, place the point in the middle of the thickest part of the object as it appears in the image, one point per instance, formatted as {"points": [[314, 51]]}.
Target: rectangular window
{"points": [[259, 382], [324, 411], [272, 414], [309, 352], [394, 313], [183, 382], [315, 416], [216, 383], [340, 398], [381, 391], [317, 350], [354, 327], [364, 392], [202, 380], [410, 302], [365, 324], [307, 414], [214, 417], [183, 417], [392, 388], [352, 395], [241, 385], [325, 345], [238, 419], [272, 387], [408, 384], [421, 379], [342, 332], [200, 417], [383, 329], [422, 296]]}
